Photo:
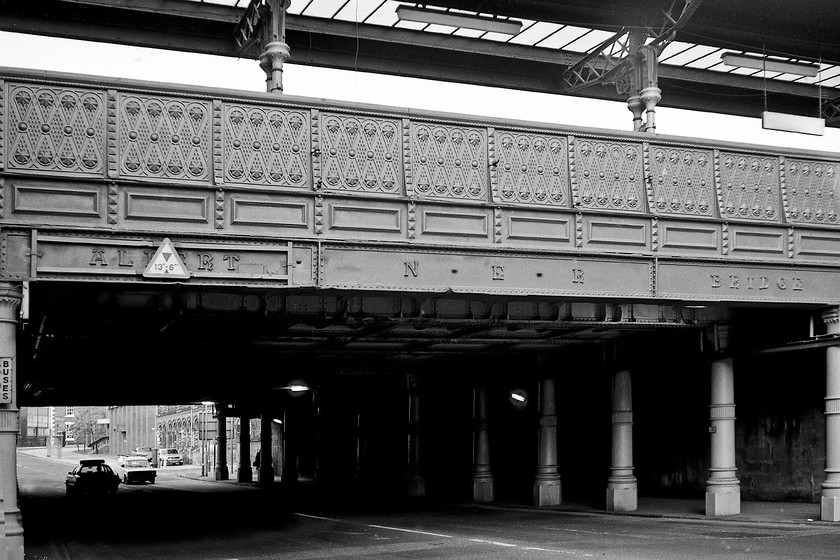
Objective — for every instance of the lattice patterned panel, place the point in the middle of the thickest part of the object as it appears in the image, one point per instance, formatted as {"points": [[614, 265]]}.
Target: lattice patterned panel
{"points": [[749, 187], [449, 162], [812, 191], [610, 175], [682, 181], [266, 146], [53, 129], [164, 137], [532, 169], [361, 154]]}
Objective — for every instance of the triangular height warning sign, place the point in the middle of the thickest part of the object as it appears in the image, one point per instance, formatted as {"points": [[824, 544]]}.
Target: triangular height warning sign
{"points": [[166, 263]]}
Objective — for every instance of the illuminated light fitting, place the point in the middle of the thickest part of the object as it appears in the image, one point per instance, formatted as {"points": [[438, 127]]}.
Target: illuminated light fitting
{"points": [[469, 21], [807, 69], [296, 387]]}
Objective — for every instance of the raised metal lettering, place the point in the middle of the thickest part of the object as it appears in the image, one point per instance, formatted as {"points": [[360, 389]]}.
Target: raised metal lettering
{"points": [[232, 262], [577, 276], [411, 268], [98, 258], [498, 272]]}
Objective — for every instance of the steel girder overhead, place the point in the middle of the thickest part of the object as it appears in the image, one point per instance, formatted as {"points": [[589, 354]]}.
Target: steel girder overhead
{"points": [[782, 29]]}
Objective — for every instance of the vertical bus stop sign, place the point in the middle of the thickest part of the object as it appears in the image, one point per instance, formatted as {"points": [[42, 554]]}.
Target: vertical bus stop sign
{"points": [[166, 263]]}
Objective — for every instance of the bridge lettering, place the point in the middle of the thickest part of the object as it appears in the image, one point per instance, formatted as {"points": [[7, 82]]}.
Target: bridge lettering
{"points": [[98, 258], [205, 261], [411, 268], [760, 283], [577, 276], [123, 260], [232, 262], [498, 272]]}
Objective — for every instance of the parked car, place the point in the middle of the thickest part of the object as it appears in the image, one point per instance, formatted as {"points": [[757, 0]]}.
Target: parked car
{"points": [[137, 469], [147, 452], [168, 457], [92, 476]]}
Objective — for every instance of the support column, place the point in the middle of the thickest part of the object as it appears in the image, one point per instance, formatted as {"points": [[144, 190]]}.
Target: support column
{"points": [[547, 490], [483, 485], [289, 478], [11, 539], [266, 469], [622, 490], [416, 481], [222, 472], [275, 49], [830, 499], [723, 490], [244, 473]]}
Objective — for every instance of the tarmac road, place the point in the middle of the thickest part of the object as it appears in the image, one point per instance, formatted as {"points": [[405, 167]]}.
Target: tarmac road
{"points": [[182, 518]]}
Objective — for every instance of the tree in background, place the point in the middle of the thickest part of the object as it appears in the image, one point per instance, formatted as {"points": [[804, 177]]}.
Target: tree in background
{"points": [[85, 427]]}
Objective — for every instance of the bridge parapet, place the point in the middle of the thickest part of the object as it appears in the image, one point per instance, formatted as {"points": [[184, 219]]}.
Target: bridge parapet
{"points": [[145, 159]]}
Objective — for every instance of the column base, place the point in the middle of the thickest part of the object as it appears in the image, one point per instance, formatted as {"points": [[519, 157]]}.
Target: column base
{"points": [[416, 486], [244, 475], [13, 541], [830, 504], [221, 474], [547, 493], [483, 491], [623, 497], [265, 475], [723, 501]]}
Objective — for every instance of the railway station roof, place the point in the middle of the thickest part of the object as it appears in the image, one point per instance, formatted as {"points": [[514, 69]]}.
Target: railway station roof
{"points": [[781, 39]]}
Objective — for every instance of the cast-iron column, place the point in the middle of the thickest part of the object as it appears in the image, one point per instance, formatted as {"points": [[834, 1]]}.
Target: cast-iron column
{"points": [[266, 468], [483, 486], [275, 49], [416, 482], [621, 485], [10, 299], [244, 474], [547, 490], [723, 490], [830, 499], [221, 444]]}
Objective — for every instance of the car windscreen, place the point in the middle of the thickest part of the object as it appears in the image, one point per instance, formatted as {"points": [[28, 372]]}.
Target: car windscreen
{"points": [[143, 463]]}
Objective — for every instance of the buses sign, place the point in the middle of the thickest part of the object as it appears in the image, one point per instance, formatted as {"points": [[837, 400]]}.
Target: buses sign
{"points": [[6, 380]]}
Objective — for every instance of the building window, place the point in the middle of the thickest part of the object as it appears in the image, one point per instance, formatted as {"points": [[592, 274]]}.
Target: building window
{"points": [[69, 411]]}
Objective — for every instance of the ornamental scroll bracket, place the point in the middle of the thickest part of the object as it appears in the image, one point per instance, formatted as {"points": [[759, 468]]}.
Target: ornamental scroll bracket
{"points": [[831, 111], [630, 59], [263, 26]]}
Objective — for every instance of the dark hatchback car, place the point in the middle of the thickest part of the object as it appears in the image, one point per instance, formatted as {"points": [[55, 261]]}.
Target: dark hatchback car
{"points": [[92, 476]]}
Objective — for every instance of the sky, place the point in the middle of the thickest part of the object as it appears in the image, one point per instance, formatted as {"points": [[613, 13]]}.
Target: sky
{"points": [[83, 57]]}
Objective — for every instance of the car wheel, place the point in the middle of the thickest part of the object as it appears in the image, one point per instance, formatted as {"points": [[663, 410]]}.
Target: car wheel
{"points": [[152, 480]]}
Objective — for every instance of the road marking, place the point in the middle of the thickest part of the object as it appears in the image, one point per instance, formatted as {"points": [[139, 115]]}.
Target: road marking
{"points": [[410, 531], [496, 543], [318, 517]]}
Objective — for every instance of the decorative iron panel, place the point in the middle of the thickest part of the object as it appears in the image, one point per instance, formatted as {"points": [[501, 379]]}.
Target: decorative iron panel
{"points": [[610, 175], [449, 161], [532, 169], [164, 138], [361, 154], [682, 181], [56, 129], [749, 187], [266, 146], [812, 191]]}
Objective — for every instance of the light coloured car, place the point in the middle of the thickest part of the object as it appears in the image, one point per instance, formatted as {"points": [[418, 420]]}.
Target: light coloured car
{"points": [[168, 456], [137, 469]]}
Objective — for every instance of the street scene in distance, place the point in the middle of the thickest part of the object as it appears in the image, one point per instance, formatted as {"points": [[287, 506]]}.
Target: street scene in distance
{"points": [[374, 279]]}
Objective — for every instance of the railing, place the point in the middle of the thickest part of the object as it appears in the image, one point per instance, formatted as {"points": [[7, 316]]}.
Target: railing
{"points": [[135, 157]]}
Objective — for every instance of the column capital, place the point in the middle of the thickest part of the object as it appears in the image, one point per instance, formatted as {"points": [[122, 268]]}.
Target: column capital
{"points": [[831, 318]]}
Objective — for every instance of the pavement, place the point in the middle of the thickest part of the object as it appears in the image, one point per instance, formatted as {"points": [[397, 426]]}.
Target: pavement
{"points": [[689, 509]]}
